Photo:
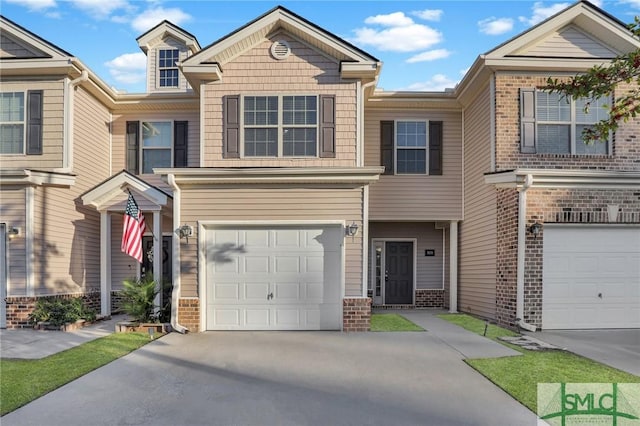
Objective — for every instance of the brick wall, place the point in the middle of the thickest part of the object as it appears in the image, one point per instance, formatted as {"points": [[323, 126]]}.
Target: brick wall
{"points": [[19, 308], [626, 155], [189, 314], [356, 314], [506, 256], [429, 298]]}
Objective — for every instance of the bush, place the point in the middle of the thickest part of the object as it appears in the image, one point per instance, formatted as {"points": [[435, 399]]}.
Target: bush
{"points": [[61, 311], [138, 298]]}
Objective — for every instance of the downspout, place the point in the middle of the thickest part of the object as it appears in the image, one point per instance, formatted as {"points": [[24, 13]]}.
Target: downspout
{"points": [[522, 241], [175, 293], [67, 160]]}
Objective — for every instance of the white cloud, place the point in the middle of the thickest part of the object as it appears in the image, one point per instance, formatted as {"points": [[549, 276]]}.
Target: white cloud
{"points": [[401, 34], [633, 3], [540, 12], [34, 4], [437, 83], [100, 9], [430, 55], [495, 26], [152, 17], [428, 14], [600, 2], [129, 68]]}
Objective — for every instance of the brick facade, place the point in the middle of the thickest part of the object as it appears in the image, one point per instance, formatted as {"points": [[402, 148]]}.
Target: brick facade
{"points": [[506, 256], [19, 307], [189, 314], [356, 314], [429, 298]]}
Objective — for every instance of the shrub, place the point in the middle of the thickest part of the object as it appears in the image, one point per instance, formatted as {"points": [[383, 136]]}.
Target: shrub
{"points": [[61, 311], [138, 298]]}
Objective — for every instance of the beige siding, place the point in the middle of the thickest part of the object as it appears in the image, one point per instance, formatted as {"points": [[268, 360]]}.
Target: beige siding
{"points": [[272, 203], [429, 269], [53, 123], [123, 266], [120, 135], [12, 213], [10, 48], [413, 197], [153, 74], [305, 71], [477, 262], [67, 247], [571, 42]]}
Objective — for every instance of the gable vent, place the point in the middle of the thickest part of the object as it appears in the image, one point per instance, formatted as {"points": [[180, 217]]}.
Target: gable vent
{"points": [[280, 49]]}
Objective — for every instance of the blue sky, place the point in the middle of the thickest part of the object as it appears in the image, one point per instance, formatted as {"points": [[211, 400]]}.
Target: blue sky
{"points": [[424, 45]]}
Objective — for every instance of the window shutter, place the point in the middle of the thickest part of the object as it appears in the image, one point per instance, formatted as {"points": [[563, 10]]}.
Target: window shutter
{"points": [[231, 127], [527, 121], [327, 126], [180, 143], [34, 122], [435, 147], [133, 146], [386, 146]]}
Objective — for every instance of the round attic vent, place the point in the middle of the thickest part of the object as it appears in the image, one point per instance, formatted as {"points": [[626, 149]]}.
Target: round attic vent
{"points": [[280, 49]]}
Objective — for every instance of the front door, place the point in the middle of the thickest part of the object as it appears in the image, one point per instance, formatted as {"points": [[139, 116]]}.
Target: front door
{"points": [[398, 273], [147, 263]]}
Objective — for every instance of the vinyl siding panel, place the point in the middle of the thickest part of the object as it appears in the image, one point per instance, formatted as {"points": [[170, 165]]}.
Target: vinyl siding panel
{"points": [[307, 72], [477, 250], [12, 213], [52, 122], [9, 48], [571, 42], [67, 247], [429, 269], [416, 197], [272, 203]]}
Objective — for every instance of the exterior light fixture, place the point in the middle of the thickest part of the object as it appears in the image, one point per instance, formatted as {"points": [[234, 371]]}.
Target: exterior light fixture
{"points": [[185, 231], [13, 232], [535, 229], [351, 230]]}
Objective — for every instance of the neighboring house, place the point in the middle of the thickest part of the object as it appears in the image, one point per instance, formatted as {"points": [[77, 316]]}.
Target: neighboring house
{"points": [[289, 193]]}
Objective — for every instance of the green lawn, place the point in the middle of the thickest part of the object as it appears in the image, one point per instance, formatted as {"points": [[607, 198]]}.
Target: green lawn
{"points": [[520, 375], [22, 380], [392, 322]]}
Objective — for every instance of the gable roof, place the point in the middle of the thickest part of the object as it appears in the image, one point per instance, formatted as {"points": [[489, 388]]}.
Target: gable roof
{"points": [[165, 29], [354, 61], [39, 47], [103, 193]]}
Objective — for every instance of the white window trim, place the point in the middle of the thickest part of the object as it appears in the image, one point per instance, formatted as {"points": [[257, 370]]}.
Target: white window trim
{"points": [[573, 133], [280, 126], [396, 148], [24, 124], [142, 147], [159, 68]]}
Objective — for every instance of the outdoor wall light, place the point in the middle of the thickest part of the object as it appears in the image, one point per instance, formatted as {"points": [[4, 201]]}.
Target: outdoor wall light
{"points": [[185, 231], [13, 232], [351, 230], [535, 229]]}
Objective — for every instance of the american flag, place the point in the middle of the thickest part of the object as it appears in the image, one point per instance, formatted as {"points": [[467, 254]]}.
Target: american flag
{"points": [[133, 229]]}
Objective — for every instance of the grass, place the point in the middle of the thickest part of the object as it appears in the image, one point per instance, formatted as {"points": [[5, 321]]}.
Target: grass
{"points": [[520, 375], [23, 380], [392, 322]]}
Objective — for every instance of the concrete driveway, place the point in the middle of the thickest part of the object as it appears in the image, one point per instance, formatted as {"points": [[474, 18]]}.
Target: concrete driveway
{"points": [[281, 378]]}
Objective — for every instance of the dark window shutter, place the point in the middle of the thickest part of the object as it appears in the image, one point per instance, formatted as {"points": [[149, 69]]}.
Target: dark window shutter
{"points": [[327, 126], [34, 122], [133, 146], [386, 146], [435, 147], [527, 121], [180, 136], [231, 127]]}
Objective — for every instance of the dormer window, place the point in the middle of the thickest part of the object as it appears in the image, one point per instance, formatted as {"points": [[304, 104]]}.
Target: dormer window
{"points": [[167, 67]]}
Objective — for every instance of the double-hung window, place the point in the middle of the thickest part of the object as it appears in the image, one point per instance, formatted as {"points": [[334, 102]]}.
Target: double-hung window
{"points": [[553, 124], [12, 122], [156, 145], [411, 147], [168, 70]]}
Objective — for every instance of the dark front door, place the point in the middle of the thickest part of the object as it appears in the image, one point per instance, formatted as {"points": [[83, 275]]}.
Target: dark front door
{"points": [[399, 273], [147, 263]]}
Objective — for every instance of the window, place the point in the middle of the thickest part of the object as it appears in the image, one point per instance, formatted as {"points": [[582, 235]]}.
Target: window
{"points": [[156, 145], [552, 124], [12, 123], [280, 126], [411, 147], [167, 59]]}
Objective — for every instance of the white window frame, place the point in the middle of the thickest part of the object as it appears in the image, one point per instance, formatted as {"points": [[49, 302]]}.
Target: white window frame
{"points": [[142, 148], [280, 126], [574, 137], [24, 122], [396, 148], [161, 68]]}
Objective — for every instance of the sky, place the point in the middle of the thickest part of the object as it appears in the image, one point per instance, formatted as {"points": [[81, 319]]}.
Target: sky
{"points": [[424, 45]]}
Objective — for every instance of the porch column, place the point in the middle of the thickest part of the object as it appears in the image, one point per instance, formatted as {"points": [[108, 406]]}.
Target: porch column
{"points": [[105, 263], [453, 266], [157, 257]]}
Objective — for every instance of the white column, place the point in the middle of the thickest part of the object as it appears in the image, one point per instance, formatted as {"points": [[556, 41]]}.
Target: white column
{"points": [[105, 263], [157, 256], [453, 266]]}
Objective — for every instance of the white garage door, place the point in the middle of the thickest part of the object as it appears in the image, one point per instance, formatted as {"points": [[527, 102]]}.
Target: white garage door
{"points": [[591, 277], [274, 278]]}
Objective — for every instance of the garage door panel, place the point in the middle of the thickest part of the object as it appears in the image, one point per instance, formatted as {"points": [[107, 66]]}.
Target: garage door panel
{"points": [[287, 264], [256, 317], [257, 264], [255, 292], [225, 318], [227, 291]]}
